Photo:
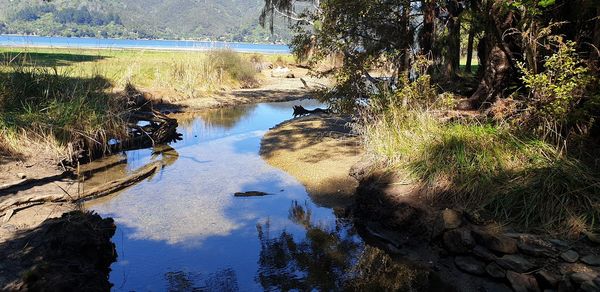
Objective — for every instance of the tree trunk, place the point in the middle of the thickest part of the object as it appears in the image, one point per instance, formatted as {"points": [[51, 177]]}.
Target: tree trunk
{"points": [[427, 33], [470, 42], [452, 58], [498, 57]]}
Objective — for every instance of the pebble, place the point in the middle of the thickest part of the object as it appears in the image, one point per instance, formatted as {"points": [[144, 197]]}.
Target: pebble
{"points": [[592, 260], [569, 256]]}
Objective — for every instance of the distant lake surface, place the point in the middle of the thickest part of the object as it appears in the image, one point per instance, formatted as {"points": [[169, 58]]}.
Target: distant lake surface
{"points": [[68, 42]]}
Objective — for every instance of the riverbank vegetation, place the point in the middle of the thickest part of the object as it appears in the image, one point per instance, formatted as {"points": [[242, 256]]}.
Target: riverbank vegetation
{"points": [[514, 139], [60, 100]]}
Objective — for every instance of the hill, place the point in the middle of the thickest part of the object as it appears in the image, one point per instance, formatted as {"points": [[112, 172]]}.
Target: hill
{"points": [[225, 20]]}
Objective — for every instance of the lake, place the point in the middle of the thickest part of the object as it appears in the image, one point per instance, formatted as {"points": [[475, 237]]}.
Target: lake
{"points": [[180, 45]]}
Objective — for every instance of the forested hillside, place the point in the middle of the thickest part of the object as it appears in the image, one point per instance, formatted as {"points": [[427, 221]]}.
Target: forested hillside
{"points": [[230, 20]]}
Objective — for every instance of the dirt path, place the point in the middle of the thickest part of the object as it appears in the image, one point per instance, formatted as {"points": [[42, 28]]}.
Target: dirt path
{"points": [[318, 150]]}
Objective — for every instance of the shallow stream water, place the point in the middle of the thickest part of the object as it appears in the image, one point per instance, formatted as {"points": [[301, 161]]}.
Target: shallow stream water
{"points": [[183, 230]]}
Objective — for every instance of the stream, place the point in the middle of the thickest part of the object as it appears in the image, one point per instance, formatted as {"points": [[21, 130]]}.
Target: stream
{"points": [[183, 230]]}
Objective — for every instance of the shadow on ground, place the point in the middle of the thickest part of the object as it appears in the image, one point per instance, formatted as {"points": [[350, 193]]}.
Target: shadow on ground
{"points": [[70, 253]]}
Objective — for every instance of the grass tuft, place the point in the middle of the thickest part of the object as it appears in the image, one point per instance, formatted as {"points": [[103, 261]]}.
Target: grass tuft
{"points": [[480, 166]]}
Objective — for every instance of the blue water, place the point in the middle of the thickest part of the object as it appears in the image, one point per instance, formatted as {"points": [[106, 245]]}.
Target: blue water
{"points": [[67, 42], [183, 230]]}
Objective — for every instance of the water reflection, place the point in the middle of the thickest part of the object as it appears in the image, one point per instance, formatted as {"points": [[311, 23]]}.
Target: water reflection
{"points": [[331, 259], [224, 280]]}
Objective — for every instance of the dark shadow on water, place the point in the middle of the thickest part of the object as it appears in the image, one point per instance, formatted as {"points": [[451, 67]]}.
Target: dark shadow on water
{"points": [[331, 259], [23, 58]]}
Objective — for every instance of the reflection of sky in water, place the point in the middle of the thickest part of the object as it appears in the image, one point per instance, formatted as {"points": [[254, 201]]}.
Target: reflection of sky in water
{"points": [[185, 220]]}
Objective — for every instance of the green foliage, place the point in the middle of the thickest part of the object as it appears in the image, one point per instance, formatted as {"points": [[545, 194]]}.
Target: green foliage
{"points": [[559, 93], [209, 20]]}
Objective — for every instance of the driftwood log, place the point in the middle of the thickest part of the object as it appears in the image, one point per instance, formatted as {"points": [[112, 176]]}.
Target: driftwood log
{"points": [[159, 129], [11, 205]]}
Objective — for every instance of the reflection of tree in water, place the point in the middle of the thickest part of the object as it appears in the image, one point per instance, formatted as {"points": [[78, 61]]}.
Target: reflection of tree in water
{"points": [[224, 280], [225, 117], [329, 259]]}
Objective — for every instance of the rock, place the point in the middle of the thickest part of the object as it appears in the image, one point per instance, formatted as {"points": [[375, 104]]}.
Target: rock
{"points": [[588, 286], [547, 279], [290, 75], [484, 253], [495, 242], [597, 281], [495, 271], [595, 238], [469, 265], [451, 219], [559, 243], [592, 260], [565, 285], [536, 248], [458, 240], [522, 282], [280, 72], [515, 262], [21, 175], [250, 194], [581, 277], [569, 256]]}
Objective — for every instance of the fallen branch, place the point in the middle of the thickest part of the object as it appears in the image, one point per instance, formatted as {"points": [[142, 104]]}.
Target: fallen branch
{"points": [[24, 202]]}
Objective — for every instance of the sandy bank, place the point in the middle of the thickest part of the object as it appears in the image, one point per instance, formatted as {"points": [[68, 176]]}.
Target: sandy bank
{"points": [[319, 151]]}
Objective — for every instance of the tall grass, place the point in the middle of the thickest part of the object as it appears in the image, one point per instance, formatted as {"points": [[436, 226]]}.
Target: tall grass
{"points": [[51, 106], [480, 166]]}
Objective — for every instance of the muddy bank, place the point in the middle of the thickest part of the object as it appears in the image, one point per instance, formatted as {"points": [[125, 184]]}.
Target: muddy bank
{"points": [[319, 151], [70, 253]]}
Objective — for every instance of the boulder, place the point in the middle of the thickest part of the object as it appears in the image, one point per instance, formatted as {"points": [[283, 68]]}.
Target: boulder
{"points": [[569, 256], [458, 240], [592, 260], [495, 242], [495, 271], [522, 282], [515, 262], [470, 265]]}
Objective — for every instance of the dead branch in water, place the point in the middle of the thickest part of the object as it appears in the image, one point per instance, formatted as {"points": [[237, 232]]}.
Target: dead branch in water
{"points": [[23, 202]]}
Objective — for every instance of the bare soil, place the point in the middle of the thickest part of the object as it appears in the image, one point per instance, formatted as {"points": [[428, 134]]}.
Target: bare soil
{"points": [[318, 150]]}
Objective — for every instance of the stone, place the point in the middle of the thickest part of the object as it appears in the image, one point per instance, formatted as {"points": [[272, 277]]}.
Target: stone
{"points": [[565, 285], [495, 271], [21, 175], [290, 75], [559, 243], [470, 265], [569, 256], [458, 240], [515, 262], [581, 277], [522, 282], [280, 72], [547, 279], [484, 253], [451, 219], [597, 281], [595, 238], [495, 242], [536, 248], [592, 260], [588, 286]]}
